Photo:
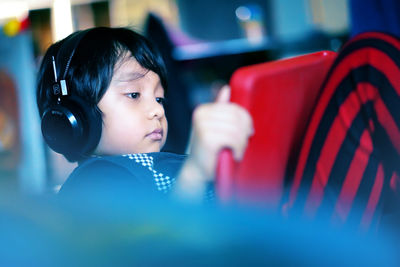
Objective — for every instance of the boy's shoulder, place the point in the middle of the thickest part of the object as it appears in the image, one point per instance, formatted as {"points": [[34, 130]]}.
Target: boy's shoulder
{"points": [[162, 161], [132, 161], [155, 171]]}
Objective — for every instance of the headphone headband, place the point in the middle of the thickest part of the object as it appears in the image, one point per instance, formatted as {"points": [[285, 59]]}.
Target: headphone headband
{"points": [[70, 44]]}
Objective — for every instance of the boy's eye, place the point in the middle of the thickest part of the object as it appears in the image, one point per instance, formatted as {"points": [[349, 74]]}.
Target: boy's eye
{"points": [[160, 100], [134, 95]]}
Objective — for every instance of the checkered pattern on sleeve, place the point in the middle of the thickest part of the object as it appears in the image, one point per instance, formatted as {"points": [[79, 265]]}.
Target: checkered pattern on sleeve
{"points": [[163, 182], [209, 195]]}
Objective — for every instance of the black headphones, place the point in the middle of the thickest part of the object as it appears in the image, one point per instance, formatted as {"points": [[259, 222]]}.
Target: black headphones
{"points": [[69, 125]]}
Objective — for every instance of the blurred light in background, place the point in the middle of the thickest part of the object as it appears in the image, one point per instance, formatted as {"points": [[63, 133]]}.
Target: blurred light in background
{"points": [[250, 19], [331, 16], [13, 9], [133, 13], [61, 18]]}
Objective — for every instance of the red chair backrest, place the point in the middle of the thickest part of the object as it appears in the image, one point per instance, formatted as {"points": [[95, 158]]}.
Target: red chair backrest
{"points": [[280, 97]]}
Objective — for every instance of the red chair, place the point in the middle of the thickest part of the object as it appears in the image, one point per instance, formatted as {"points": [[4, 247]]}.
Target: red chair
{"points": [[280, 96]]}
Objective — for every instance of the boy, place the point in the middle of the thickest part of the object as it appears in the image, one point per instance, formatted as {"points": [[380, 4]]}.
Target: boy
{"points": [[100, 95]]}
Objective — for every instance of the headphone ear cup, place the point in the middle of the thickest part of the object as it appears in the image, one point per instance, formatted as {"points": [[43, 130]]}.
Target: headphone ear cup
{"points": [[92, 126], [72, 128]]}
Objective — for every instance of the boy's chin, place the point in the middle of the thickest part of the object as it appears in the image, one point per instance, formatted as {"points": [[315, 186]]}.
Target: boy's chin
{"points": [[153, 149]]}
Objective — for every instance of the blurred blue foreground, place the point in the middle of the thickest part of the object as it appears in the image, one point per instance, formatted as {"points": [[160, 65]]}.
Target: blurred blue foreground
{"points": [[138, 231]]}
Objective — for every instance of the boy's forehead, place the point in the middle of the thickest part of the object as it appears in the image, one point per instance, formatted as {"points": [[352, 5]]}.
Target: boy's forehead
{"points": [[128, 69]]}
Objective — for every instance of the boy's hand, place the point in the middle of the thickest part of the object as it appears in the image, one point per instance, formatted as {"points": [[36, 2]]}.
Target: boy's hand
{"points": [[216, 126]]}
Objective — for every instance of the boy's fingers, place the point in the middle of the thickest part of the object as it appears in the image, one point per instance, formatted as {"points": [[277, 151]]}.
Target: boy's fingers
{"points": [[239, 149], [224, 94]]}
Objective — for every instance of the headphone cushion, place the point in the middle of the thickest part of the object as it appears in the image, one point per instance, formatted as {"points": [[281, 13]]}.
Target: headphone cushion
{"points": [[72, 128]]}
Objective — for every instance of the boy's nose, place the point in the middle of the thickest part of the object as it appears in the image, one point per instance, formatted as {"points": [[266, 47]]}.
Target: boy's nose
{"points": [[156, 110]]}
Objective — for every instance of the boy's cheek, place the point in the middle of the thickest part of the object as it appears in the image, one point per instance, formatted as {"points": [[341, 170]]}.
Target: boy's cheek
{"points": [[166, 133]]}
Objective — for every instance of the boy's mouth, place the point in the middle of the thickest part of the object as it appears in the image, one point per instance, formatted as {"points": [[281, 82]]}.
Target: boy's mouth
{"points": [[156, 135]]}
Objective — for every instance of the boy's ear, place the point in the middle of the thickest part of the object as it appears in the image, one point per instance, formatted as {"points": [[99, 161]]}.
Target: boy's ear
{"points": [[224, 94]]}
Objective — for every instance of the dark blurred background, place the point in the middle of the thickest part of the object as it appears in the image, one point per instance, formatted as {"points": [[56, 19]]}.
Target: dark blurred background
{"points": [[203, 42]]}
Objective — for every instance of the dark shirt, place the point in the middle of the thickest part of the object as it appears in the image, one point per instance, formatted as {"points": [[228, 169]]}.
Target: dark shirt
{"points": [[124, 176]]}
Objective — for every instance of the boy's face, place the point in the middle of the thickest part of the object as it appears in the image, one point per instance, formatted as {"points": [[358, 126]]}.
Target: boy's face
{"points": [[133, 114]]}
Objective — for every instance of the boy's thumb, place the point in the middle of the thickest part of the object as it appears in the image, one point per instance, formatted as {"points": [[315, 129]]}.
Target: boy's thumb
{"points": [[224, 94]]}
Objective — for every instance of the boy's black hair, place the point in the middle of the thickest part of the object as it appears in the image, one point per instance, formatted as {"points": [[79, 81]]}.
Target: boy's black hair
{"points": [[91, 67]]}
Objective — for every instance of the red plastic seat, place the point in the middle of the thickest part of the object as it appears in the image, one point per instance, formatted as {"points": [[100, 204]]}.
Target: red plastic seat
{"points": [[280, 96]]}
